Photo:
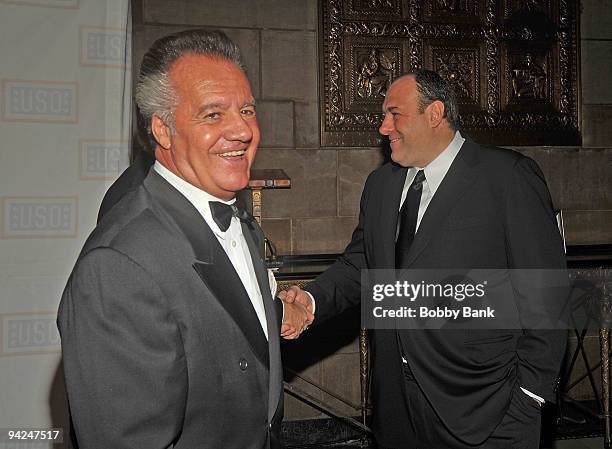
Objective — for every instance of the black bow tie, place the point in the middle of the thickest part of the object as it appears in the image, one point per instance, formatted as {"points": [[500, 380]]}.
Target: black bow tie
{"points": [[222, 214]]}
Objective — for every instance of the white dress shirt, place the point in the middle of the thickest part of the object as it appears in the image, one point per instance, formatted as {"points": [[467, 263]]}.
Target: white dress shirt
{"points": [[232, 241], [435, 172]]}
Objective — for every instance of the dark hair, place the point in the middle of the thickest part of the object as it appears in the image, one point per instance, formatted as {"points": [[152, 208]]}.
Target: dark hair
{"points": [[432, 87], [153, 91]]}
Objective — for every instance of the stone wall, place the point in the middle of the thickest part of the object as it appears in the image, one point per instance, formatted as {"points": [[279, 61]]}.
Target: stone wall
{"points": [[279, 42]]}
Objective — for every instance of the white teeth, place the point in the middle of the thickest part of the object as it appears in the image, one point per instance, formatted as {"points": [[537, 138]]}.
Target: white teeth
{"points": [[233, 153], [394, 140]]}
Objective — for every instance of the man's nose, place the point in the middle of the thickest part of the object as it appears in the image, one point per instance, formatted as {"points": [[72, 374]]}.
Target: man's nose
{"points": [[239, 129], [387, 125]]}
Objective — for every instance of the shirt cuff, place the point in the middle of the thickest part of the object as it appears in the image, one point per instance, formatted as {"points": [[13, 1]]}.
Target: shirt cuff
{"points": [[314, 303], [533, 396]]}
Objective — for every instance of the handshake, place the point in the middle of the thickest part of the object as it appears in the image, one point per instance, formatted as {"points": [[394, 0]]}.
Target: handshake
{"points": [[298, 312]]}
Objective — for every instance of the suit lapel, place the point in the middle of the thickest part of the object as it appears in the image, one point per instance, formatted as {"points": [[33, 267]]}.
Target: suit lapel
{"points": [[389, 212], [254, 238], [453, 186], [212, 263], [225, 284]]}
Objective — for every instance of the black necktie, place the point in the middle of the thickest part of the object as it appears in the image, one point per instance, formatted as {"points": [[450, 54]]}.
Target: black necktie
{"points": [[222, 214], [408, 219]]}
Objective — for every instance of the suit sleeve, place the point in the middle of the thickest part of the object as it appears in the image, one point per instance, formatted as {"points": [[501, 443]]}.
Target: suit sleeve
{"points": [[533, 241], [339, 287], [124, 366]]}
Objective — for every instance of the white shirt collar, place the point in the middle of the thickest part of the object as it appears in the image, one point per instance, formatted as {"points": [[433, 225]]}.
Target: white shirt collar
{"points": [[198, 197], [436, 170]]}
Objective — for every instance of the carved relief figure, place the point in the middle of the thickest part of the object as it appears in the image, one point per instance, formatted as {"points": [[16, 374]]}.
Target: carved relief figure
{"points": [[375, 75], [458, 69], [452, 5], [528, 79]]}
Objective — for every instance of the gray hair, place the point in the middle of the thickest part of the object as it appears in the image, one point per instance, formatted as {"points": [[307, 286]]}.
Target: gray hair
{"points": [[433, 87], [154, 93]]}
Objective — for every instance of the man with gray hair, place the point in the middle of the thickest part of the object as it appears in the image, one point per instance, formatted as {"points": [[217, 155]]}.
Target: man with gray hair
{"points": [[170, 334], [445, 202]]}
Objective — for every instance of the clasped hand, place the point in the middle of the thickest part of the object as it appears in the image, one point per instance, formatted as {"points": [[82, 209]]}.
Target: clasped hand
{"points": [[298, 312]]}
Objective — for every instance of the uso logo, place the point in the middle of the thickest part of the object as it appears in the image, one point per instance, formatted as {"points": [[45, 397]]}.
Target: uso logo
{"points": [[29, 333], [39, 101], [105, 47], [103, 159], [39, 217]]}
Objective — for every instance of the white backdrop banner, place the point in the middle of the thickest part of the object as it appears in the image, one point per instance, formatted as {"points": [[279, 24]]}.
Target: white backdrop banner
{"points": [[65, 126]]}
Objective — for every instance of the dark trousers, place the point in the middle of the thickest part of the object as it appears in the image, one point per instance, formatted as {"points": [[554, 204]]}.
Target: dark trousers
{"points": [[518, 429]]}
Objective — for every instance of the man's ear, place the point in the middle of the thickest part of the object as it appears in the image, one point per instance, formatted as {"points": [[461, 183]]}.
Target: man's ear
{"points": [[435, 113], [161, 132]]}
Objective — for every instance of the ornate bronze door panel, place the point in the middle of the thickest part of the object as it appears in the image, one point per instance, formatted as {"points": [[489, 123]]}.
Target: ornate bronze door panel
{"points": [[513, 65]]}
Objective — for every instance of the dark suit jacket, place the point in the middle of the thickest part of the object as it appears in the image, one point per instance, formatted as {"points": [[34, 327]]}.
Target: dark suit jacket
{"points": [[492, 210], [161, 345]]}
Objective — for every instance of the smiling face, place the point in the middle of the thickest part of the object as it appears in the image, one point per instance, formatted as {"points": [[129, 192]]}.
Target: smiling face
{"points": [[410, 132], [215, 134]]}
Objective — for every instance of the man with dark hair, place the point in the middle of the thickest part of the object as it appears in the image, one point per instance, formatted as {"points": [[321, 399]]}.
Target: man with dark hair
{"points": [[446, 202], [170, 335]]}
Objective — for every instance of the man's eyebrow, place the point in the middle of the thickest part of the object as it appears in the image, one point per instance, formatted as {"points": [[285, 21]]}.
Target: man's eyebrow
{"points": [[389, 109], [208, 106]]}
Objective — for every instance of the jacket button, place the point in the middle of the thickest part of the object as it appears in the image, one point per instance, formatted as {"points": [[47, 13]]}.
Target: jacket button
{"points": [[243, 364]]}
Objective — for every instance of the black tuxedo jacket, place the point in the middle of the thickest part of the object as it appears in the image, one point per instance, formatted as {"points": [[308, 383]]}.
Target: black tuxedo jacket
{"points": [[492, 210], [161, 345]]}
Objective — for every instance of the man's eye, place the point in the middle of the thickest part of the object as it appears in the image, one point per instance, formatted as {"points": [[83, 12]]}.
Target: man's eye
{"points": [[248, 112], [212, 115]]}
